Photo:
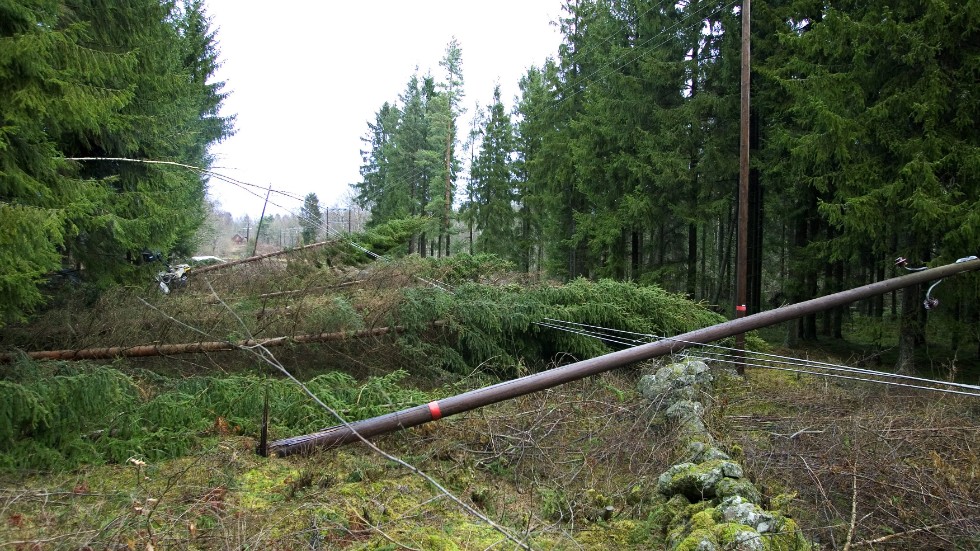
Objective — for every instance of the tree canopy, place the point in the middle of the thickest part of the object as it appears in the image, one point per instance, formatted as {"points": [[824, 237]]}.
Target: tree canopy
{"points": [[83, 84]]}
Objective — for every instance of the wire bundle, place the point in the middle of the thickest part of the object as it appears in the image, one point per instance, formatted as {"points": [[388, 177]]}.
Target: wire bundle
{"points": [[727, 355]]}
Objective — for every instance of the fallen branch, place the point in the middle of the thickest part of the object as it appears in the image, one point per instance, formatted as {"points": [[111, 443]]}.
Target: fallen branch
{"points": [[310, 289], [854, 504]]}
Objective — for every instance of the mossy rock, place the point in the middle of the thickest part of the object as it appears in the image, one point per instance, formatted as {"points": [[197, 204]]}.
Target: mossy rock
{"points": [[700, 449], [697, 481], [674, 382], [698, 540], [728, 487], [739, 509], [685, 410], [666, 511], [738, 537]]}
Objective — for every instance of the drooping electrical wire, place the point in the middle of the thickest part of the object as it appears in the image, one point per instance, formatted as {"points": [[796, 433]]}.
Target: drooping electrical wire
{"points": [[837, 376], [718, 353], [773, 358]]}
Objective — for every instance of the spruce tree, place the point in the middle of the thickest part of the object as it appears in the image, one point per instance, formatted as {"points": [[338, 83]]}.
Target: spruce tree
{"points": [[377, 190], [415, 161], [529, 181], [494, 183], [310, 218], [50, 84], [452, 90]]}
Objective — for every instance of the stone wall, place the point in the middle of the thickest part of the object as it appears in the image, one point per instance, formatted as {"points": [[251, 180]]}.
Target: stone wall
{"points": [[705, 502]]}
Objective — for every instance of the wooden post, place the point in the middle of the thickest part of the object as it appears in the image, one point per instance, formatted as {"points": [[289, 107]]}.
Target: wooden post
{"points": [[743, 184]]}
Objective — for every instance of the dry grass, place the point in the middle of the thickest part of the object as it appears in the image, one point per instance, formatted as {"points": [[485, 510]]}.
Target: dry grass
{"points": [[905, 462]]}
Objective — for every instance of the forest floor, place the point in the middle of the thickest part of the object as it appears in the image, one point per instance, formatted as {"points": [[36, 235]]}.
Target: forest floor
{"points": [[880, 468]]}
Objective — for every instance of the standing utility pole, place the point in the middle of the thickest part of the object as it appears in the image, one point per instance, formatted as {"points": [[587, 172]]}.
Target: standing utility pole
{"points": [[742, 260], [261, 217]]}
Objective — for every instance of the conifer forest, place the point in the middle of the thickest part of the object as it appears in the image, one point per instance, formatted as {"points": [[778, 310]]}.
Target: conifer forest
{"points": [[620, 157], [142, 377]]}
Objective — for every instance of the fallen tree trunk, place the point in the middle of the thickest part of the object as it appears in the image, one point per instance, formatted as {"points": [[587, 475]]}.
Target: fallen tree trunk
{"points": [[195, 347], [215, 267]]}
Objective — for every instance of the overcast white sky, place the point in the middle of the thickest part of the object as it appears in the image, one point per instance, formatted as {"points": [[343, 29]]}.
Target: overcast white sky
{"points": [[306, 77]]}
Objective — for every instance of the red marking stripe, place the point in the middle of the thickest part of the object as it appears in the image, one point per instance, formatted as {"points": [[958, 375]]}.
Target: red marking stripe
{"points": [[435, 411]]}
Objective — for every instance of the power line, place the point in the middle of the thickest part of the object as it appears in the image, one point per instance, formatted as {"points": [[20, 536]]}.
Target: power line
{"points": [[717, 353]]}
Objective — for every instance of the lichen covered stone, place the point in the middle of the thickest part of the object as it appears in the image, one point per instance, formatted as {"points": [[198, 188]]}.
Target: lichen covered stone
{"points": [[739, 509], [697, 481], [674, 382], [699, 451], [730, 487]]}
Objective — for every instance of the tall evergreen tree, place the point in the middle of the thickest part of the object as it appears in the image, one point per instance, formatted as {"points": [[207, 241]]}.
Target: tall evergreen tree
{"points": [[48, 82], [529, 180], [452, 92], [494, 183], [567, 253], [468, 208], [310, 218], [378, 191]]}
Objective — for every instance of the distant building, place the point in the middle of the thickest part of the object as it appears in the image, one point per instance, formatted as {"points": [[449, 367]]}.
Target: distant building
{"points": [[238, 239]]}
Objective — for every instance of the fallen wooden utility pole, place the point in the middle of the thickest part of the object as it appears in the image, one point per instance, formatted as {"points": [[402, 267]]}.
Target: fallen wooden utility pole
{"points": [[433, 411], [214, 267], [142, 351]]}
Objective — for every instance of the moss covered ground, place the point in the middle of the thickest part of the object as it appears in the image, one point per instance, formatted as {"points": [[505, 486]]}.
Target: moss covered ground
{"points": [[545, 468]]}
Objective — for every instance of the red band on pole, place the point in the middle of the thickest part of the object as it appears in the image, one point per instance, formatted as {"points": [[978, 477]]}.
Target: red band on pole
{"points": [[435, 411], [740, 308]]}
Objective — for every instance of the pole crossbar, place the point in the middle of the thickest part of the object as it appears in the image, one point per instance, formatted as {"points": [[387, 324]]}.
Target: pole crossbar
{"points": [[411, 417]]}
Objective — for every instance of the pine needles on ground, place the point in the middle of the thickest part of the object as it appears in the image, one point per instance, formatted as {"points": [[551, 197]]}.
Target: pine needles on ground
{"points": [[104, 415]]}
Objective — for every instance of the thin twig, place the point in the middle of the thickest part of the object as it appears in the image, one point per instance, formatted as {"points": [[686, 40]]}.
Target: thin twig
{"points": [[896, 535], [854, 508]]}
